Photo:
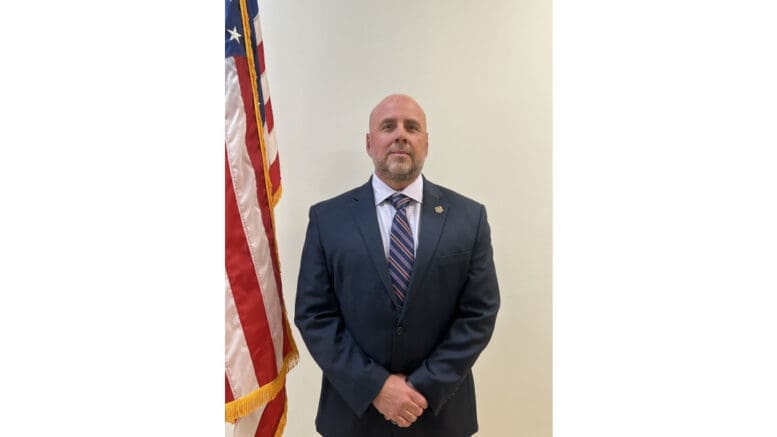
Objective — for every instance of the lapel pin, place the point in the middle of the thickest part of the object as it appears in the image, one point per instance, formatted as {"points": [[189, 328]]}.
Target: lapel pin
{"points": [[438, 209]]}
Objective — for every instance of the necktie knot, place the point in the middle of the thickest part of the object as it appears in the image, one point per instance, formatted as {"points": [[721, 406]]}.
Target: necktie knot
{"points": [[399, 201]]}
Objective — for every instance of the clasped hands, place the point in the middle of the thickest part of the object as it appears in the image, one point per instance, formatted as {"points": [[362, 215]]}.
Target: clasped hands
{"points": [[399, 402]]}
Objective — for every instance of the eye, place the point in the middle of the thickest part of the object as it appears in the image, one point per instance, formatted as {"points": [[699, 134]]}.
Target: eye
{"points": [[387, 127], [412, 127]]}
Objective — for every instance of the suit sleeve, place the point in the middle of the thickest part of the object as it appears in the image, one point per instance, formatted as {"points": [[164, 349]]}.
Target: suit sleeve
{"points": [[438, 377], [355, 376]]}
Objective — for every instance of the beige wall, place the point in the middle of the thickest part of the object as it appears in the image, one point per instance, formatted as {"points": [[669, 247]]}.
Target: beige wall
{"points": [[482, 71]]}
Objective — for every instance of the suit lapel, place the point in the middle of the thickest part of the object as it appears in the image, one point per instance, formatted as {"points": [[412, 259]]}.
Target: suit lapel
{"points": [[366, 219], [434, 210]]}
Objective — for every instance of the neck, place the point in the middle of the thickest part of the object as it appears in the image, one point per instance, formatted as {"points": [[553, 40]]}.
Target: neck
{"points": [[395, 184]]}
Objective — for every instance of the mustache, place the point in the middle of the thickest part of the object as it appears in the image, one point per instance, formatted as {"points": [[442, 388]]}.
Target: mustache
{"points": [[396, 148]]}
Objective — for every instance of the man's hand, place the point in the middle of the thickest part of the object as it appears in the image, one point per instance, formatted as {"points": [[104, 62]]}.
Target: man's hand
{"points": [[398, 402]]}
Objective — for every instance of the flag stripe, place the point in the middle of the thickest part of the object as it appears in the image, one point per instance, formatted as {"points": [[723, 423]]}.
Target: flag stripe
{"points": [[272, 151], [269, 120], [253, 148], [258, 256], [228, 395], [244, 285], [259, 46], [249, 425], [272, 416], [267, 263], [239, 365], [275, 173], [267, 112], [275, 166]]}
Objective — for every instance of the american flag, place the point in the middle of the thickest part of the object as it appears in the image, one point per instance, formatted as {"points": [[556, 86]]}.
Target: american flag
{"points": [[259, 347]]}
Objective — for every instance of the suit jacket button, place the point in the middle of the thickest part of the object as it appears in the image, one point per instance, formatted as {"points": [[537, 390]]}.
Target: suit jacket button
{"points": [[400, 330]]}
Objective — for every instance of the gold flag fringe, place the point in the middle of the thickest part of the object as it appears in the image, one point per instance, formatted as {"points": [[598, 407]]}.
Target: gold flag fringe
{"points": [[249, 403]]}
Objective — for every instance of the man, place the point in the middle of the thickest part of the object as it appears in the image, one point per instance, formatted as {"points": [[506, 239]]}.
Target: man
{"points": [[397, 297]]}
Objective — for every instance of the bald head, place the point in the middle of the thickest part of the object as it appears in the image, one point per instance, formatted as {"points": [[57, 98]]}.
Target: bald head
{"points": [[397, 140], [397, 101]]}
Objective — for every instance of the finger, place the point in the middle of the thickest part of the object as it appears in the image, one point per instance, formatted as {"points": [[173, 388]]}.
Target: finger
{"points": [[414, 409], [419, 400], [402, 423], [409, 417]]}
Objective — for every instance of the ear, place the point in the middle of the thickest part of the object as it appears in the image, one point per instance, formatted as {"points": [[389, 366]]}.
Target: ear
{"points": [[367, 142]]}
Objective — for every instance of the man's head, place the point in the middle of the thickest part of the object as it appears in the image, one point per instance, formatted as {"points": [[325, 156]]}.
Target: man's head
{"points": [[397, 140]]}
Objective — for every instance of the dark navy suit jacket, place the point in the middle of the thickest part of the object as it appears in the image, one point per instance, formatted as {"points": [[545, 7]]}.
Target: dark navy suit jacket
{"points": [[357, 332]]}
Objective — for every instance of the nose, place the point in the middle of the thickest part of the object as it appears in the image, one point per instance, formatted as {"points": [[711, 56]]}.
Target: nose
{"points": [[401, 135]]}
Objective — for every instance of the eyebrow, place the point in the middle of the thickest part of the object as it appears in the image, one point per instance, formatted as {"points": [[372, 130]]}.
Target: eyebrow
{"points": [[407, 121]]}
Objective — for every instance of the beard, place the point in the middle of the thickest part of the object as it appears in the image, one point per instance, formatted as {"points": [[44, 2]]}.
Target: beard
{"points": [[399, 169]]}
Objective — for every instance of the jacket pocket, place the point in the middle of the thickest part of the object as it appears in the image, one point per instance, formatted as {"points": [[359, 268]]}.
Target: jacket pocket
{"points": [[453, 258]]}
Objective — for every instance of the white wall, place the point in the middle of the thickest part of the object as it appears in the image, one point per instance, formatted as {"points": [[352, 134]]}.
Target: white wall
{"points": [[482, 71]]}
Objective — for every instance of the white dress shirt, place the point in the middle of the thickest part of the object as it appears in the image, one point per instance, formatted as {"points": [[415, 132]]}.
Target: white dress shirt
{"points": [[386, 210]]}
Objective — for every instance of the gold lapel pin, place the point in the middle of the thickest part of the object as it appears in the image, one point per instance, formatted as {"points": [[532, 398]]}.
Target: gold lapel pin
{"points": [[438, 209]]}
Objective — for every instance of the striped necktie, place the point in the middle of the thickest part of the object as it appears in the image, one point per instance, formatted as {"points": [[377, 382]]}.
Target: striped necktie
{"points": [[401, 247]]}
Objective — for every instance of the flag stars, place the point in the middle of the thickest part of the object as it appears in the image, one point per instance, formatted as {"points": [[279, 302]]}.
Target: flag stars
{"points": [[234, 35]]}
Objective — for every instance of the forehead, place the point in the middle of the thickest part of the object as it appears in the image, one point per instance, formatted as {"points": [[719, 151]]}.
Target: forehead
{"points": [[397, 108]]}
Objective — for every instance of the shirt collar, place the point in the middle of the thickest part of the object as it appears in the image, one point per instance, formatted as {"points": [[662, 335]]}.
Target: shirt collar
{"points": [[382, 191]]}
